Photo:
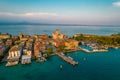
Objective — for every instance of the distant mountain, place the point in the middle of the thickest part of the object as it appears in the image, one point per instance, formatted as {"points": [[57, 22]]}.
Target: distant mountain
{"points": [[31, 23]]}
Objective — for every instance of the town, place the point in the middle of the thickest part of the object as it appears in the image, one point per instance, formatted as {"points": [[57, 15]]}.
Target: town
{"points": [[25, 48]]}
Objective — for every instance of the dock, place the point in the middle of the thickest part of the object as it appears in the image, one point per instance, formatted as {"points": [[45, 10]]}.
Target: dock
{"points": [[85, 50], [67, 59]]}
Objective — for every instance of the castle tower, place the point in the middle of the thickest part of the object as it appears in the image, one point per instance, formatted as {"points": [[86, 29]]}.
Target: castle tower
{"points": [[57, 31]]}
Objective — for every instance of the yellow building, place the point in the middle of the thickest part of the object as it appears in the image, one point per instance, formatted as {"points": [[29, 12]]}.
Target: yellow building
{"points": [[24, 37], [4, 36], [57, 35], [71, 44]]}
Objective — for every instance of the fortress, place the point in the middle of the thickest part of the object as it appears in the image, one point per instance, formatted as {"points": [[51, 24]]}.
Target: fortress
{"points": [[57, 35]]}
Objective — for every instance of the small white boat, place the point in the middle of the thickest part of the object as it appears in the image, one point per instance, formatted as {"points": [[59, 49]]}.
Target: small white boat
{"points": [[84, 59], [60, 66]]}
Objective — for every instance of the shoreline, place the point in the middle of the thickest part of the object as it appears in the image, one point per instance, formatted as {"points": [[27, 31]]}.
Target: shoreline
{"points": [[56, 55], [42, 46]]}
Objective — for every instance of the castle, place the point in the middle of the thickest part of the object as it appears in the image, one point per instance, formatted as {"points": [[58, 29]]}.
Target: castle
{"points": [[62, 40], [57, 35]]}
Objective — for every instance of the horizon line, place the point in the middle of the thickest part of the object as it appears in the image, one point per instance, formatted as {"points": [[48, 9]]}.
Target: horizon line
{"points": [[59, 24]]}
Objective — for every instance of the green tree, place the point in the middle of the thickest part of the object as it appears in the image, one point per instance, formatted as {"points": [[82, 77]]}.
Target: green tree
{"points": [[49, 51], [61, 48]]}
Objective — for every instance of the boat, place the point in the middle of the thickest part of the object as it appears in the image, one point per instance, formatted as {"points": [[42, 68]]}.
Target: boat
{"points": [[84, 59], [60, 66], [116, 47]]}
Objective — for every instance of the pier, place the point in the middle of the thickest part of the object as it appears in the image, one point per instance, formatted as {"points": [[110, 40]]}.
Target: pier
{"points": [[67, 59]]}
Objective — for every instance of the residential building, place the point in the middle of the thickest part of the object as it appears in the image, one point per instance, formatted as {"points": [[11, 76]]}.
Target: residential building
{"points": [[71, 44], [13, 56], [58, 43], [26, 59], [2, 48], [27, 53], [85, 35], [4, 36], [9, 42]]}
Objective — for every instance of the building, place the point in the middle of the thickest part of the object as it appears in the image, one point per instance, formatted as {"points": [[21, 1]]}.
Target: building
{"points": [[37, 52], [26, 59], [37, 49], [42, 47], [58, 43], [27, 53], [15, 38], [2, 48], [43, 37], [1, 41], [85, 35], [13, 56], [24, 37], [14, 52], [9, 42], [57, 35], [4, 36], [28, 48], [71, 44]]}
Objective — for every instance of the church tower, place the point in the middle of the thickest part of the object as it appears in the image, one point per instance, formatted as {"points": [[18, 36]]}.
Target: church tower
{"points": [[21, 35]]}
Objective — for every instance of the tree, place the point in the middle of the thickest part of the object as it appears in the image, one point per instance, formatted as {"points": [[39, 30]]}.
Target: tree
{"points": [[61, 48], [49, 51]]}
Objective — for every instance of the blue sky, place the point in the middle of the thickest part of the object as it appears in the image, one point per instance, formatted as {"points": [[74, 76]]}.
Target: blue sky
{"points": [[93, 12]]}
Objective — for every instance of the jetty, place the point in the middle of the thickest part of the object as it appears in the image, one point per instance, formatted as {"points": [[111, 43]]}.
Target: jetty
{"points": [[67, 59]]}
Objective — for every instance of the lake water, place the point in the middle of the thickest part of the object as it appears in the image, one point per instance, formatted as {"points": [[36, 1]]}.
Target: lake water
{"points": [[68, 30], [97, 66]]}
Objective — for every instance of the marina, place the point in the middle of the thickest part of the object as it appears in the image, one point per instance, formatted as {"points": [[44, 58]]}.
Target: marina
{"points": [[93, 51]]}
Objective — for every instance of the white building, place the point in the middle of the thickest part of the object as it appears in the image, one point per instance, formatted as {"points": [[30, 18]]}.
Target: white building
{"points": [[14, 56], [26, 59]]}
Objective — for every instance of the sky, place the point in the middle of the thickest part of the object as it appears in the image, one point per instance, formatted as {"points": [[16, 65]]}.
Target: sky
{"points": [[86, 12]]}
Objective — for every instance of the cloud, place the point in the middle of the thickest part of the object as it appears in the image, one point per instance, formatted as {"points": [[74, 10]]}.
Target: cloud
{"points": [[30, 17], [39, 14], [116, 4]]}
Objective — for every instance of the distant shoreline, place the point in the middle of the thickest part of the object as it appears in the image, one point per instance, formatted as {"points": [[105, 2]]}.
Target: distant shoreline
{"points": [[57, 24]]}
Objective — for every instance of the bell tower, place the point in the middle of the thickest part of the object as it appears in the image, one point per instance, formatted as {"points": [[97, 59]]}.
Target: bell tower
{"points": [[21, 35]]}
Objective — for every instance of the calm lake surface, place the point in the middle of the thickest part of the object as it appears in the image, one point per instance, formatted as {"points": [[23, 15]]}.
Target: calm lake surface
{"points": [[97, 66], [68, 30]]}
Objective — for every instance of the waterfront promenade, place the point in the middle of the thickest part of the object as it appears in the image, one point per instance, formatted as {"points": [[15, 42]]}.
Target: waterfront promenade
{"points": [[67, 59]]}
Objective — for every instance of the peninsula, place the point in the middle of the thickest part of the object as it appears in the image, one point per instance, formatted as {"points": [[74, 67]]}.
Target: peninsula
{"points": [[24, 48]]}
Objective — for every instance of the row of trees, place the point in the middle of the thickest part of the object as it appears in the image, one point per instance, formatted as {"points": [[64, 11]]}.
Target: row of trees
{"points": [[105, 40], [50, 51]]}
